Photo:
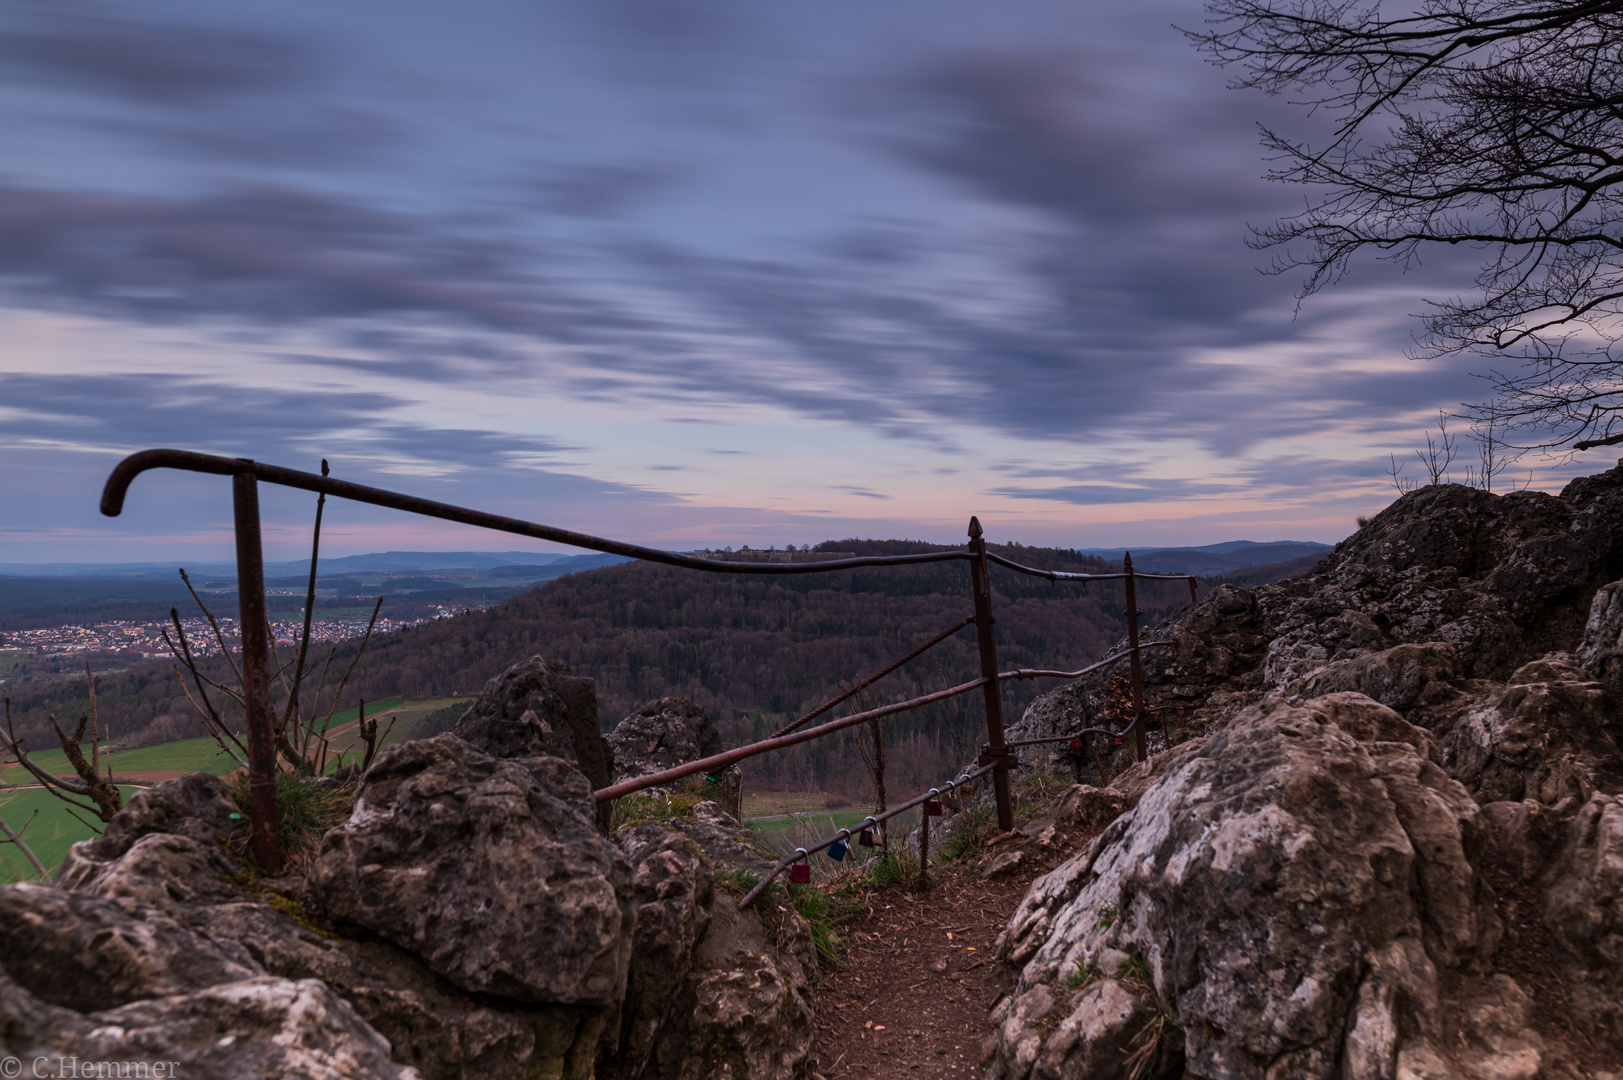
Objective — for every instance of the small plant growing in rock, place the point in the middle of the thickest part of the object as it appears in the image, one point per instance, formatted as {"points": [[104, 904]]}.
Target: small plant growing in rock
{"points": [[307, 810]]}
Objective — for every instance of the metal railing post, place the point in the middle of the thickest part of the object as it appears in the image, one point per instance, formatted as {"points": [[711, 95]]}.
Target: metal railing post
{"points": [[1141, 745], [996, 754], [255, 629]]}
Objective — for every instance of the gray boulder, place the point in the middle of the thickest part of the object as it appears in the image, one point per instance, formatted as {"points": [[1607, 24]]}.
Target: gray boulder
{"points": [[88, 953], [745, 1008], [1493, 578], [1583, 905], [1549, 734], [1291, 896], [675, 890], [488, 869], [244, 1030], [537, 708], [670, 732]]}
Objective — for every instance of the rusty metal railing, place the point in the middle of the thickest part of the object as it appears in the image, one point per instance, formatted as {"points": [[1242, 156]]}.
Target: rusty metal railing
{"points": [[246, 475], [866, 823]]}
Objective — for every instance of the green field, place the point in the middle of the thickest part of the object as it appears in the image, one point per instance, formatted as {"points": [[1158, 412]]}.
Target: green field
{"points": [[405, 719], [187, 754], [50, 835]]}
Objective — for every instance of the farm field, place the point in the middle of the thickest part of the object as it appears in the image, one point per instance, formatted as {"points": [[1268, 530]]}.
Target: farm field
{"points": [[51, 834], [183, 756]]}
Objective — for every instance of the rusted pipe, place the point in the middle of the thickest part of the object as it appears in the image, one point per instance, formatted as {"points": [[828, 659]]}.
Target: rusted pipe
{"points": [[721, 761], [866, 823], [265, 836], [870, 680]]}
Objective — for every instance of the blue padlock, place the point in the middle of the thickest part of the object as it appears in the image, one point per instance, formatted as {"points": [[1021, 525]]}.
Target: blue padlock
{"points": [[836, 851]]}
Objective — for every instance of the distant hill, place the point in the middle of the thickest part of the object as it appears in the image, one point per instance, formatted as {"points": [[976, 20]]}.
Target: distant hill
{"points": [[1268, 573], [1213, 559], [752, 651], [384, 561]]}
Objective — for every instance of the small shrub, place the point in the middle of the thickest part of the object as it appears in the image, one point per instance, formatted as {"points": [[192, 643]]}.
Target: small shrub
{"points": [[1134, 970], [305, 810], [970, 829], [1084, 975], [899, 866], [645, 806]]}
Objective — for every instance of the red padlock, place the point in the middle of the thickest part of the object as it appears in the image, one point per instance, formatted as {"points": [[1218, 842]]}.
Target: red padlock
{"points": [[933, 808], [800, 873], [1076, 744], [1120, 740]]}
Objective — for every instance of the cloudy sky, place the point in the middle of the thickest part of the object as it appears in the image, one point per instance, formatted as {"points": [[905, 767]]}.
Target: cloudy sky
{"points": [[688, 272]]}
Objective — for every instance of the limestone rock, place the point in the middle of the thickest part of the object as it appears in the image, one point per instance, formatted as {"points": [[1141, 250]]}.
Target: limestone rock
{"points": [[745, 1008], [670, 732], [87, 953], [244, 1030], [536, 708], [1544, 740], [431, 1025], [195, 806], [488, 869], [726, 843], [1497, 578], [674, 888], [1400, 677], [1291, 893], [1584, 912]]}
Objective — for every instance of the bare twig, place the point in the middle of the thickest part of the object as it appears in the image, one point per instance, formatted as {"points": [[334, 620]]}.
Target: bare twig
{"points": [[16, 837], [105, 795], [219, 637], [292, 714]]}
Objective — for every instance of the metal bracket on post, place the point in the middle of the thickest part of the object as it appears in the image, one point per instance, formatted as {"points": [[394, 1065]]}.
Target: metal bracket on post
{"points": [[981, 587], [266, 843], [1141, 745]]}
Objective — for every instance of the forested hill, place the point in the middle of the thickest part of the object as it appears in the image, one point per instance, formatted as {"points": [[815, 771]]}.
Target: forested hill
{"points": [[751, 650]]}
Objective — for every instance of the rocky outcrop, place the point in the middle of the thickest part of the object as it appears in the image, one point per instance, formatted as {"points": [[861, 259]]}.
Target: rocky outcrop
{"points": [[1583, 904], [745, 1006], [674, 887], [670, 732], [1479, 583], [490, 870], [1299, 901], [537, 708], [243, 1030], [467, 919]]}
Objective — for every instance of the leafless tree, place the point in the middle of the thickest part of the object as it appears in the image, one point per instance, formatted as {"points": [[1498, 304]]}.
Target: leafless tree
{"points": [[301, 733], [1492, 124], [15, 836], [1439, 452], [1395, 471], [871, 745]]}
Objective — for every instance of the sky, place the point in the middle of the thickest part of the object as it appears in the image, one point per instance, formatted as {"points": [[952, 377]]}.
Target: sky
{"points": [[689, 273]]}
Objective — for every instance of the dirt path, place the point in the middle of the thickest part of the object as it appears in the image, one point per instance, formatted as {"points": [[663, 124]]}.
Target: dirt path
{"points": [[919, 978]]}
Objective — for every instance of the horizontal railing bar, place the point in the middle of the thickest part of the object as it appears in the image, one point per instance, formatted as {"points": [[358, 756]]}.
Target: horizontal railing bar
{"points": [[730, 757], [870, 680], [1032, 673], [867, 822], [777, 742], [112, 504], [1063, 575]]}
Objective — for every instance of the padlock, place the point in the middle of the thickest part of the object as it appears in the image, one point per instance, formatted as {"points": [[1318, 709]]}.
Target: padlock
{"points": [[966, 790], [933, 808], [1076, 744], [836, 851], [1120, 740], [952, 804], [865, 838], [800, 873]]}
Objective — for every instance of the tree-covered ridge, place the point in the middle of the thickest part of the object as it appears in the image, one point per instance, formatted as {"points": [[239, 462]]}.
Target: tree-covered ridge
{"points": [[751, 650]]}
